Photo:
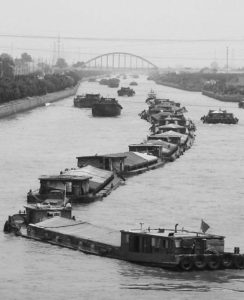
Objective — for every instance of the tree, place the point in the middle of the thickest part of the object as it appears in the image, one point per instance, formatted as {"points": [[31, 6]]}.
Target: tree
{"points": [[61, 63], [25, 57], [6, 66], [79, 64]]}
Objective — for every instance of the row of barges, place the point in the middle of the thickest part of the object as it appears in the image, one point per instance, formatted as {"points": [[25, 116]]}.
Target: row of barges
{"points": [[48, 214]]}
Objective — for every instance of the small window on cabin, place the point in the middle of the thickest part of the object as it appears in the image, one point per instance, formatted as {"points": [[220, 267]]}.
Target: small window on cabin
{"points": [[69, 187], [156, 244], [165, 244], [134, 243], [146, 245]]}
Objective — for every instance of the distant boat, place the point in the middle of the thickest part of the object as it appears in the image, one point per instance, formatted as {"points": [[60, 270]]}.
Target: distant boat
{"points": [[106, 107], [86, 101], [47, 104], [219, 116], [126, 91]]}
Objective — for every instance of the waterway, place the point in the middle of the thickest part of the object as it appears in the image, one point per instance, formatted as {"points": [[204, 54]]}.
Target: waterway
{"points": [[205, 183]]}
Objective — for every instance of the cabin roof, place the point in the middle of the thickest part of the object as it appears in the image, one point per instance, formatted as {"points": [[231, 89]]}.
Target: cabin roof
{"points": [[95, 174], [64, 177], [112, 155], [170, 133], [170, 233], [41, 206], [175, 126]]}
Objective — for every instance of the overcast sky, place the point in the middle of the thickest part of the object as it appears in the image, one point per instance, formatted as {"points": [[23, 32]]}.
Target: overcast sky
{"points": [[179, 19]]}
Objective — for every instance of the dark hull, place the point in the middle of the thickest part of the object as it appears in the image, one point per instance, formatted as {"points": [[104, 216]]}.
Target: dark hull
{"points": [[106, 110], [220, 121], [85, 103]]}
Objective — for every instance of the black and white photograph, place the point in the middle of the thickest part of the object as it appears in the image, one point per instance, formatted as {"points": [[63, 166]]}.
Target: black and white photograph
{"points": [[122, 150]]}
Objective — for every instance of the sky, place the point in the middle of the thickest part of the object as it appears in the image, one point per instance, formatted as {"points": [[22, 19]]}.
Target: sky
{"points": [[177, 19], [182, 20]]}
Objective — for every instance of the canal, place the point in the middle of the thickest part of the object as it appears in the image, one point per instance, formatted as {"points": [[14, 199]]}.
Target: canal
{"points": [[205, 183]]}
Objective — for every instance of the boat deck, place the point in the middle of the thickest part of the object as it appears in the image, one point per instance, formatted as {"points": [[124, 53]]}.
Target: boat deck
{"points": [[80, 230]]}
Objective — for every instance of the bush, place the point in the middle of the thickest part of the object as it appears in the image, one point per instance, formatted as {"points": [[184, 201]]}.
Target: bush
{"points": [[32, 85]]}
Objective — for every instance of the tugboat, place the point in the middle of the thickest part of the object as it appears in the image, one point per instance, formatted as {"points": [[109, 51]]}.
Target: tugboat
{"points": [[86, 101], [106, 107], [35, 213], [219, 116], [126, 91], [241, 104], [151, 96], [177, 249]]}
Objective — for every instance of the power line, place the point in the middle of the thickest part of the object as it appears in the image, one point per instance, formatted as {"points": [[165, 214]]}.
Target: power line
{"points": [[122, 39]]}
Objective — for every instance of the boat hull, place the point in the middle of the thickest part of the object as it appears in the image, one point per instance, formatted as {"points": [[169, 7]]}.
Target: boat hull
{"points": [[106, 110], [79, 239]]}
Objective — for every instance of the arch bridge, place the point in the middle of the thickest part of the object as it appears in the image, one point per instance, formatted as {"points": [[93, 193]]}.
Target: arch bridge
{"points": [[120, 61]]}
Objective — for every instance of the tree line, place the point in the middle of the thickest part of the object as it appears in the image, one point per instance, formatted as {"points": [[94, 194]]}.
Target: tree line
{"points": [[14, 87]]}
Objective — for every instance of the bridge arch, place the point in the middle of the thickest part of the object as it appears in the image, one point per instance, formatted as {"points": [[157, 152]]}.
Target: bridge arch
{"points": [[120, 60]]}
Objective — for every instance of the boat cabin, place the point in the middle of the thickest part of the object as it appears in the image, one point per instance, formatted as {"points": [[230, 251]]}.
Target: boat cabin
{"points": [[170, 138], [108, 162], [154, 244], [41, 211], [149, 148], [59, 187], [173, 127]]}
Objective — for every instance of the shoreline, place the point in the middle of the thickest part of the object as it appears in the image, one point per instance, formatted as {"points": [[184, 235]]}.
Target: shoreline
{"points": [[224, 98], [20, 105], [177, 86]]}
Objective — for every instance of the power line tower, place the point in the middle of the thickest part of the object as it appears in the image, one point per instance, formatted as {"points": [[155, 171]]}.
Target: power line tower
{"points": [[58, 46], [227, 59]]}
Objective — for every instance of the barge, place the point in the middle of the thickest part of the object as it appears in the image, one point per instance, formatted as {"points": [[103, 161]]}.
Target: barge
{"points": [[106, 107], [87, 100], [126, 91], [176, 249], [219, 116], [78, 185]]}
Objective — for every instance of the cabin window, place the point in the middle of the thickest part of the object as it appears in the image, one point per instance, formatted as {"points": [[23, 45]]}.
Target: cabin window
{"points": [[53, 214], [69, 187], [146, 244], [134, 243], [156, 244], [165, 244]]}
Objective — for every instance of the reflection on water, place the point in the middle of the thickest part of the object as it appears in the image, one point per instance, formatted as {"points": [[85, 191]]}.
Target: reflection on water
{"points": [[206, 182]]}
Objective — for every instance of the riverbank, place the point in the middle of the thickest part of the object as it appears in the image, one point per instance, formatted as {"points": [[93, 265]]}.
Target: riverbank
{"points": [[28, 103], [178, 86], [224, 98]]}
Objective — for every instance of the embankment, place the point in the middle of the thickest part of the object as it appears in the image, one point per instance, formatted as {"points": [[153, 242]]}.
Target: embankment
{"points": [[225, 98], [178, 86], [21, 105]]}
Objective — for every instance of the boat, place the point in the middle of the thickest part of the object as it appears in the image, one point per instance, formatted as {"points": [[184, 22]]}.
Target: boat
{"points": [[124, 164], [35, 213], [113, 82], [177, 249], [106, 107], [126, 91], [86, 101], [77, 185], [241, 104], [151, 96], [133, 83], [219, 116]]}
